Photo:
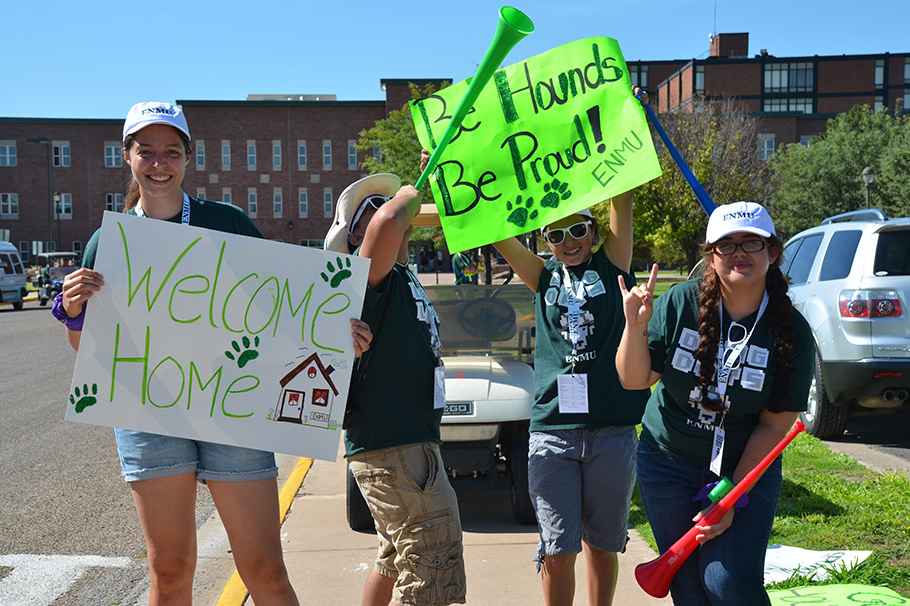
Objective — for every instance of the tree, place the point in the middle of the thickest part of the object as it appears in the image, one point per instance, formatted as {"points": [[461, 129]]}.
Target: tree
{"points": [[399, 153], [718, 141], [823, 178]]}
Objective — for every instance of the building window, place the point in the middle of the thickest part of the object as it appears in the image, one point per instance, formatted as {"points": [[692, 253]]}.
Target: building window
{"points": [[226, 195], [252, 206], [327, 155], [805, 140], [276, 155], [907, 70], [113, 203], [377, 154], [200, 193], [878, 103], [113, 156], [302, 203], [77, 247], [251, 155], [700, 79], [313, 243], [200, 155], [352, 155], [301, 155], [638, 74], [327, 205], [789, 77], [61, 153], [225, 155], [277, 202], [64, 208], [8, 153], [25, 250], [801, 105], [9, 206], [765, 146], [879, 73]]}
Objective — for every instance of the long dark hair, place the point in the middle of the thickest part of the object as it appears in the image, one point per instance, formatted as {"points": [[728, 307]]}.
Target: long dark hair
{"points": [[780, 310], [132, 188]]}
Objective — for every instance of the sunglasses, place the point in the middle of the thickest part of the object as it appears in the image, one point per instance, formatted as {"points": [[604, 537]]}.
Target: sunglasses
{"points": [[556, 235], [749, 246], [374, 200]]}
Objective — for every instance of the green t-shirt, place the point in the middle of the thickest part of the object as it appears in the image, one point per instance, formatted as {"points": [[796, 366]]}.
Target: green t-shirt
{"points": [[394, 399], [219, 216], [674, 422], [600, 329]]}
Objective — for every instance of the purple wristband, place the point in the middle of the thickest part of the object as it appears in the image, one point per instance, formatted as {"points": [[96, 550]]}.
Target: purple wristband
{"points": [[59, 312]]}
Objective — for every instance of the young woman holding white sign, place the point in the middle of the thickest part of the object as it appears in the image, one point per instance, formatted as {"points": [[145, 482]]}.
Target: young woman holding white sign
{"points": [[732, 361], [163, 471], [581, 464]]}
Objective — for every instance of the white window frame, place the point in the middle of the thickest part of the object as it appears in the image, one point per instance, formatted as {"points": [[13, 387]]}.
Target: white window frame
{"points": [[327, 154], [9, 206], [277, 203], [276, 154], [879, 73], [64, 208], [8, 153], [352, 154], [113, 154], [225, 154], [200, 193], [765, 146], [113, 202], [251, 155], [200, 155], [328, 204], [62, 154], [226, 195], [252, 202]]}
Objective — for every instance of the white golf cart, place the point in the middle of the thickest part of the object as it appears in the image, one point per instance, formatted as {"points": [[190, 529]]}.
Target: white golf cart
{"points": [[487, 333]]}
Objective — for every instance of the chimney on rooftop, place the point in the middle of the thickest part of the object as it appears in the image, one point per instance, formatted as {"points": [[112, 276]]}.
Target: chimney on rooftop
{"points": [[730, 45]]}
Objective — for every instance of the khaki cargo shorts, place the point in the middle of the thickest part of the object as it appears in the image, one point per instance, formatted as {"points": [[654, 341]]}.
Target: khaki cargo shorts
{"points": [[416, 515]]}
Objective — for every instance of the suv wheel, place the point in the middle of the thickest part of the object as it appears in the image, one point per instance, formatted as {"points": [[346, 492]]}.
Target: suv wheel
{"points": [[359, 516], [522, 508], [822, 418]]}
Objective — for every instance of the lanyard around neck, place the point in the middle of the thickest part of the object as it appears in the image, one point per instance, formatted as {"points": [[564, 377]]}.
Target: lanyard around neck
{"points": [[184, 216], [575, 298], [725, 367]]}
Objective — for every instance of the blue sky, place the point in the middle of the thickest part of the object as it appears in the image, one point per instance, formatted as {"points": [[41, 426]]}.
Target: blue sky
{"points": [[94, 58]]}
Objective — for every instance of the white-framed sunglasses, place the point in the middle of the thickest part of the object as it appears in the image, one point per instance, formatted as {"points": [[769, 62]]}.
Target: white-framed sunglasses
{"points": [[556, 235], [374, 200]]}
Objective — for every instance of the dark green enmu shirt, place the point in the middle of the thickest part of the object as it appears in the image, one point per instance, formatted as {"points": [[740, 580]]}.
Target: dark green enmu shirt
{"points": [[219, 216], [675, 422], [395, 395], [600, 329]]}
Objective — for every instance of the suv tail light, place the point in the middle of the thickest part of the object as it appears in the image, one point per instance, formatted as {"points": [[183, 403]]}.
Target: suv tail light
{"points": [[869, 304]]}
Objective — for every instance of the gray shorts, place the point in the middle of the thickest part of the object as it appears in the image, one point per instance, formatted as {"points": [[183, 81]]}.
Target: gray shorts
{"points": [[581, 483]]}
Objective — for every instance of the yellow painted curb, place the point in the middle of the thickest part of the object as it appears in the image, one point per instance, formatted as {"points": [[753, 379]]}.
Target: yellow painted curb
{"points": [[235, 592]]}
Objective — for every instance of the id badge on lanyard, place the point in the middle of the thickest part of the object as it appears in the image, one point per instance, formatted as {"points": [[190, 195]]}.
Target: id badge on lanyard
{"points": [[573, 388], [724, 369]]}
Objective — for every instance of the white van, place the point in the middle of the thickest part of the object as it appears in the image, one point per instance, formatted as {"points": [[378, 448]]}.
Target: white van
{"points": [[12, 276]]}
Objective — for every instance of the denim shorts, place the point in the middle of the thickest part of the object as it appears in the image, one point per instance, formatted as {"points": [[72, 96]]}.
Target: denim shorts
{"points": [[145, 456], [416, 515], [581, 483], [728, 569]]}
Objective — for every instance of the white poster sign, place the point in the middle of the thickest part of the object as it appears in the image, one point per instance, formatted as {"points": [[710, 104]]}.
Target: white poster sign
{"points": [[781, 561], [219, 337]]}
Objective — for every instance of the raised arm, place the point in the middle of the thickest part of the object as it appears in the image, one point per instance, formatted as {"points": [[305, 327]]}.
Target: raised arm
{"points": [[618, 238], [387, 233], [526, 264], [633, 358]]}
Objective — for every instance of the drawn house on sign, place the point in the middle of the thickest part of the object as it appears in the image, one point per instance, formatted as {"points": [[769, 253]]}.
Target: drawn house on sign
{"points": [[307, 394]]}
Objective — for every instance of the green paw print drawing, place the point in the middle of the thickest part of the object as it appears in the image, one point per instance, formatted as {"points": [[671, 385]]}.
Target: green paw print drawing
{"points": [[83, 400], [520, 215], [556, 191], [343, 274], [243, 355]]}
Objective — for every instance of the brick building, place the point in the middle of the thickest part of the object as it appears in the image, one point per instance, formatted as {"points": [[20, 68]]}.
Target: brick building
{"points": [[286, 158]]}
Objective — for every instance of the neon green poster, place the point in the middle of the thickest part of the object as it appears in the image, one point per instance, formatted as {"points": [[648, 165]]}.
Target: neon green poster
{"points": [[546, 137], [835, 595]]}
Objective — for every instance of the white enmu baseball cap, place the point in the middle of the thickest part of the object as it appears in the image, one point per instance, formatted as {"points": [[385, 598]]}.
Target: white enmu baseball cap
{"points": [[740, 216], [155, 112]]}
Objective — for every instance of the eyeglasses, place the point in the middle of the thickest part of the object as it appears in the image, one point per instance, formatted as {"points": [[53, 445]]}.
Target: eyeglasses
{"points": [[374, 200], [556, 235], [749, 246]]}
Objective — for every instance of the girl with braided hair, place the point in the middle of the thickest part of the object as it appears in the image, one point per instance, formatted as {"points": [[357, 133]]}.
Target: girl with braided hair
{"points": [[733, 361]]}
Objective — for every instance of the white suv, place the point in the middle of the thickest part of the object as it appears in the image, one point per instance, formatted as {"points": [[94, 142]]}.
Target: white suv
{"points": [[850, 278]]}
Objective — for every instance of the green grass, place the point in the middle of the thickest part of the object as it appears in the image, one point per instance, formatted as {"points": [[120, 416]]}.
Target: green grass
{"points": [[828, 502]]}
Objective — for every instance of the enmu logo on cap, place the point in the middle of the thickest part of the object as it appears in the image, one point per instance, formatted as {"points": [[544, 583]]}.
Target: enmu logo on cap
{"points": [[739, 215], [158, 110]]}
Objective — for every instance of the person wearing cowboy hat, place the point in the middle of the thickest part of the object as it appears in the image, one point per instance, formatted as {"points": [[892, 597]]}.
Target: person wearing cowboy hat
{"points": [[392, 439]]}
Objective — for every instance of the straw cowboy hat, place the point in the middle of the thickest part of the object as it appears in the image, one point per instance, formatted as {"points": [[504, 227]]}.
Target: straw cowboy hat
{"points": [[383, 184]]}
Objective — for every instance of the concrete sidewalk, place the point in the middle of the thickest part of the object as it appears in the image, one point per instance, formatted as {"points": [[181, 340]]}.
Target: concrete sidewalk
{"points": [[329, 563]]}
